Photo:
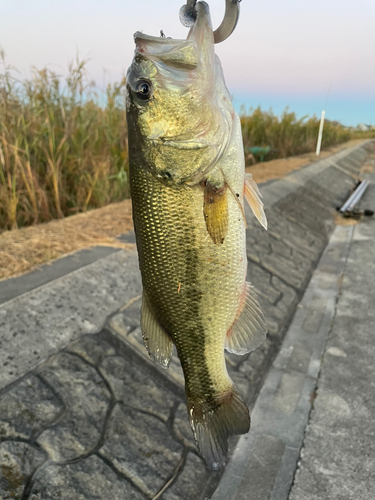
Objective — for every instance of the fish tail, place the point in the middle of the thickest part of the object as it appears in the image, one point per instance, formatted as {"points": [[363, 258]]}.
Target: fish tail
{"points": [[214, 421]]}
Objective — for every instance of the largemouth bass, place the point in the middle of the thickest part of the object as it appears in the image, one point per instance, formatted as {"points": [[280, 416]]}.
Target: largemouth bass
{"points": [[187, 180]]}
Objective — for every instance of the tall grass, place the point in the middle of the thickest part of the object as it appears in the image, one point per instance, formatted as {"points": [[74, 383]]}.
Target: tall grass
{"points": [[365, 134], [63, 145], [288, 135]]}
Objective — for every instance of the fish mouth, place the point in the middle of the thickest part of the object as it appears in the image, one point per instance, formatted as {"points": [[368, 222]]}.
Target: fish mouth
{"points": [[139, 35]]}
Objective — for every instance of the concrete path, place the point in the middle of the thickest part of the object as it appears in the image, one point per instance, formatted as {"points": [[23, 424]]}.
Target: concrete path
{"points": [[84, 413], [338, 457]]}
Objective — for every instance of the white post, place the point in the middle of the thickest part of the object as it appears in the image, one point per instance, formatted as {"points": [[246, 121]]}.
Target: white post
{"points": [[320, 135]]}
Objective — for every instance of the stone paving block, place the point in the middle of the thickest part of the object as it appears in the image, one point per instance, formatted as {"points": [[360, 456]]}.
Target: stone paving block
{"points": [[17, 461], [336, 182], [129, 317], [320, 194], [285, 474], [267, 454], [253, 363], [279, 259], [301, 208], [276, 190], [299, 359], [86, 397], [27, 408], [191, 483], [293, 235], [91, 348], [317, 196], [261, 280], [137, 388], [276, 298], [288, 416], [279, 314], [240, 382], [312, 321], [288, 392], [343, 465], [140, 447], [86, 480], [349, 165]]}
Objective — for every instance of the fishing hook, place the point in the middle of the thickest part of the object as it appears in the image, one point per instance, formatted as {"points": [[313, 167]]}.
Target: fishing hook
{"points": [[188, 15]]}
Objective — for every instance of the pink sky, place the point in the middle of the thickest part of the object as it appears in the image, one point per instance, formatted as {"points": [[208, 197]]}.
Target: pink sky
{"points": [[289, 50]]}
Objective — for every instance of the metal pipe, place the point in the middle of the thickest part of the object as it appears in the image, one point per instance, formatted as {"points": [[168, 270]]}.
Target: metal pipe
{"points": [[351, 202]]}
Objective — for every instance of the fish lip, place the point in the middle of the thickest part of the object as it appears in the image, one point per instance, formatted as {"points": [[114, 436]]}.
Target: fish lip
{"points": [[138, 35], [184, 145]]}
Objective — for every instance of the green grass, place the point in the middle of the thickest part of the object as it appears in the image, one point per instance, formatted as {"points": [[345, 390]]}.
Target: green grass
{"points": [[63, 143]]}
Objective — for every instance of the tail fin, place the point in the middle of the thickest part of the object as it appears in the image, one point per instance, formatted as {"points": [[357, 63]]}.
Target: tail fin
{"points": [[214, 421]]}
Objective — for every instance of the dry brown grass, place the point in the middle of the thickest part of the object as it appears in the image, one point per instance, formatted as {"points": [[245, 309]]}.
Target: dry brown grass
{"points": [[21, 250], [340, 220]]}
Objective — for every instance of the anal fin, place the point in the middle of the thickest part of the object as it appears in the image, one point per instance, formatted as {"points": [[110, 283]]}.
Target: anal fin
{"points": [[215, 210], [157, 341], [249, 329], [253, 198]]}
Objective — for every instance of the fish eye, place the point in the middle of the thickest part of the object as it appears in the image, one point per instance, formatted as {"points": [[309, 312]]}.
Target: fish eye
{"points": [[143, 89]]}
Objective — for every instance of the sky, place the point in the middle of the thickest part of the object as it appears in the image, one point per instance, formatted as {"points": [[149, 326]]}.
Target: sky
{"points": [[305, 54]]}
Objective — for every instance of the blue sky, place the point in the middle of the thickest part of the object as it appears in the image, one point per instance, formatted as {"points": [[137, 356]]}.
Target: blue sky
{"points": [[283, 53]]}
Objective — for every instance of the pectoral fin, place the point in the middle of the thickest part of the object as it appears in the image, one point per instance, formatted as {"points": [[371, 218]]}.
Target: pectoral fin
{"points": [[253, 197], [157, 341], [249, 329], [215, 210]]}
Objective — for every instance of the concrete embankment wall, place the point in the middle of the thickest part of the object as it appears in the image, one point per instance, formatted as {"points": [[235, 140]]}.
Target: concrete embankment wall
{"points": [[300, 210], [82, 408]]}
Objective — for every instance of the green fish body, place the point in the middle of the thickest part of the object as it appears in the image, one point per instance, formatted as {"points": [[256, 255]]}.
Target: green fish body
{"points": [[188, 183]]}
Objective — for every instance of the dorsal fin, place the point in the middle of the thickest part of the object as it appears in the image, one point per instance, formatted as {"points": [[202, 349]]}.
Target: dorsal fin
{"points": [[253, 197]]}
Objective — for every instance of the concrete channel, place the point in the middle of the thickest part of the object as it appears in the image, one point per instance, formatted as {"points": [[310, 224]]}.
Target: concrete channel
{"points": [[85, 414]]}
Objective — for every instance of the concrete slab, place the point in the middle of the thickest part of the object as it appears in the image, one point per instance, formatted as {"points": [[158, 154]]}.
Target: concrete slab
{"points": [[338, 456], [11, 288], [39, 323]]}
